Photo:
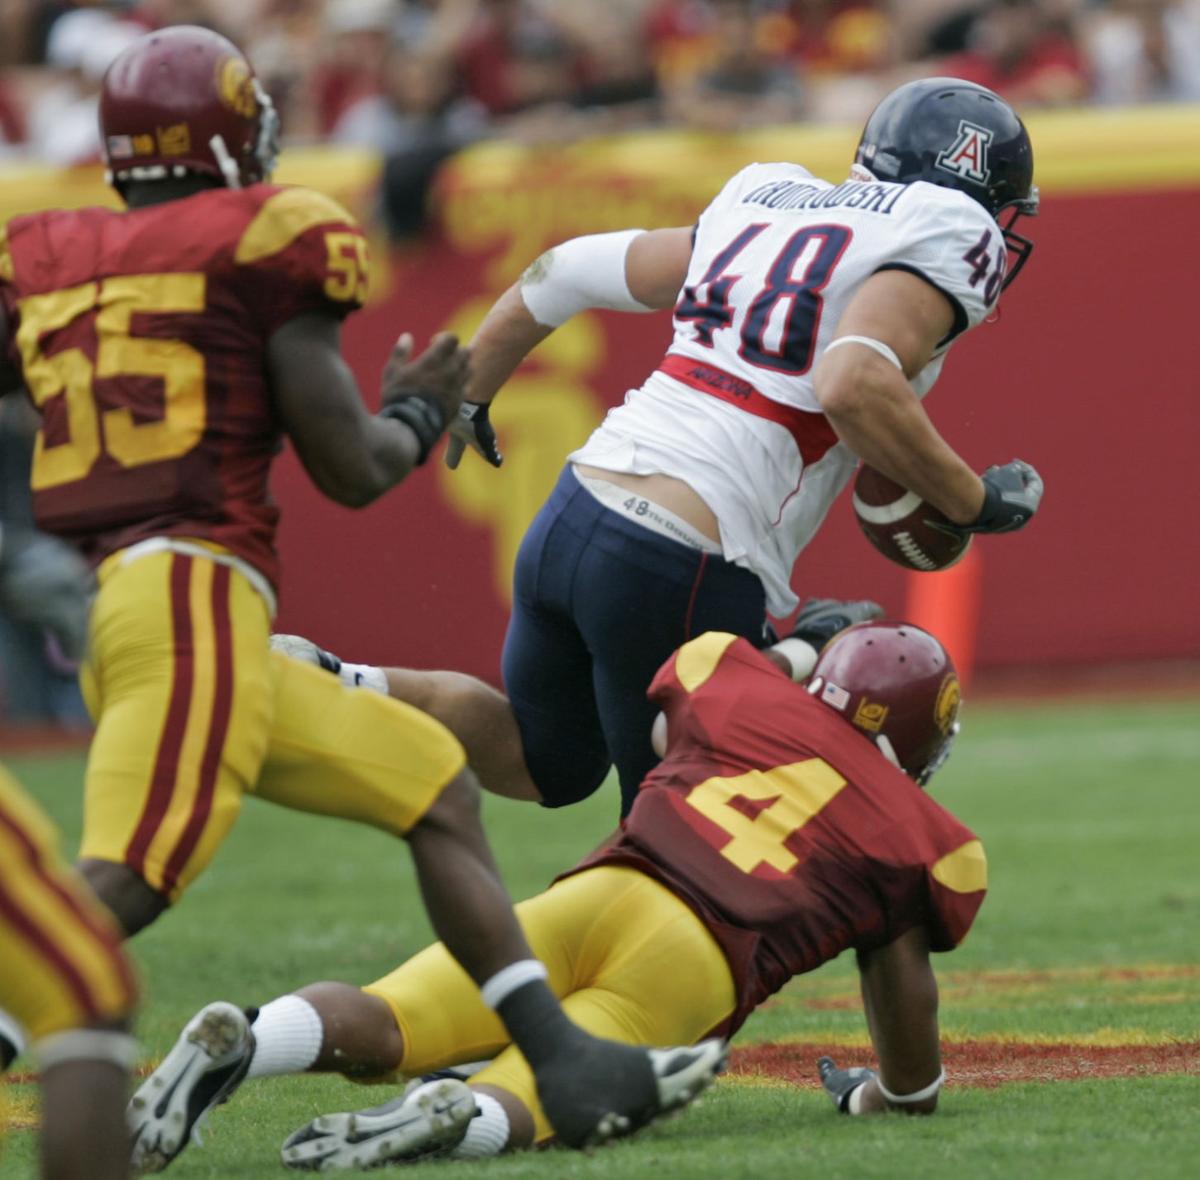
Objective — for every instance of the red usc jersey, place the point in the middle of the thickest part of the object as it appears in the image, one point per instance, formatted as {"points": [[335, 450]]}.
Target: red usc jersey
{"points": [[785, 829], [142, 339]]}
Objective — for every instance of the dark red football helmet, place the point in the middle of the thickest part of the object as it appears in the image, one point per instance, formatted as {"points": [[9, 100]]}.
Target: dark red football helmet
{"points": [[185, 100], [898, 685]]}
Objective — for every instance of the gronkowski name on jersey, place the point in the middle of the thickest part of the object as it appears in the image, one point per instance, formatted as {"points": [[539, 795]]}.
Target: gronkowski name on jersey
{"points": [[777, 257]]}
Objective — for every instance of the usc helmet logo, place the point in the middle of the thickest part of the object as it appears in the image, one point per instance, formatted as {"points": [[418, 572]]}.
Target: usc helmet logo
{"points": [[945, 708], [235, 88]]}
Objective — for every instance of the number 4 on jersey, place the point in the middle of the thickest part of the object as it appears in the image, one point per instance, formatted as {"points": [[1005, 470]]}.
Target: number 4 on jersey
{"points": [[781, 324]]}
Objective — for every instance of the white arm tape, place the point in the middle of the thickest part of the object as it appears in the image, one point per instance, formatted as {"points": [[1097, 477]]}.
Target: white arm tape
{"points": [[919, 1096], [580, 274], [86, 1044], [870, 342]]}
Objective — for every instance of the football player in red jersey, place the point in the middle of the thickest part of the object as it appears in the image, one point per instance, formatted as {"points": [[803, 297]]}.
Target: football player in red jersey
{"points": [[785, 824], [64, 976], [169, 348]]}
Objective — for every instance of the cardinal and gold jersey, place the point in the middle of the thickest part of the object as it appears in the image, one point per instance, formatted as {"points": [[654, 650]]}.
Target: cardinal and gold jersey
{"points": [[142, 338], [785, 829]]}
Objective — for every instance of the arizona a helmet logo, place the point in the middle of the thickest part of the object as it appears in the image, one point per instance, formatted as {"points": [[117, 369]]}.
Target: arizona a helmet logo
{"points": [[967, 156]]}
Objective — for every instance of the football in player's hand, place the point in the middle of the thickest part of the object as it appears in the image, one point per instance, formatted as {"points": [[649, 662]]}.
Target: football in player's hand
{"points": [[902, 526]]}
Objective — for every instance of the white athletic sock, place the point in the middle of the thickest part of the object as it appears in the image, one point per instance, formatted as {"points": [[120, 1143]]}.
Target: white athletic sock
{"points": [[487, 1132], [287, 1035], [512, 978], [364, 676]]}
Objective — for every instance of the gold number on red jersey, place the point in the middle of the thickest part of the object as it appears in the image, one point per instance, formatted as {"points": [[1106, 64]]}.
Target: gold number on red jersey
{"points": [[68, 373], [759, 835], [349, 269], [178, 365]]}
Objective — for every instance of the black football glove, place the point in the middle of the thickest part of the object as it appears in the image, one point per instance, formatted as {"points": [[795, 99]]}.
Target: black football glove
{"points": [[820, 619], [473, 428], [1011, 495], [841, 1083]]}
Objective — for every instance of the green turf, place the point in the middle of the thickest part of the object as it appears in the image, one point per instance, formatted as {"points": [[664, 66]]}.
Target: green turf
{"points": [[1090, 820]]}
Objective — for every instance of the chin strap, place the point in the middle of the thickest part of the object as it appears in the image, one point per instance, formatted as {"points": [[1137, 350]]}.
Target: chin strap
{"points": [[227, 164]]}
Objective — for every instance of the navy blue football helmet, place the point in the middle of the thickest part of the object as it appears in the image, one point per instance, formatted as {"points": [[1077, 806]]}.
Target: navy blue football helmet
{"points": [[953, 133]]}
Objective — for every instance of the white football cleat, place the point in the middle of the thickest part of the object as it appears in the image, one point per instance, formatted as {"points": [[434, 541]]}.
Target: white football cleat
{"points": [[203, 1068], [429, 1119]]}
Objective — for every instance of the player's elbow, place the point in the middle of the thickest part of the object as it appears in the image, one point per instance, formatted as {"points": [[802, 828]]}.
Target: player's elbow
{"points": [[351, 495], [842, 395], [850, 389], [351, 488]]}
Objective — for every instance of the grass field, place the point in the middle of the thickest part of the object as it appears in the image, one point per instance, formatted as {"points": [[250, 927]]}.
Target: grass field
{"points": [[1071, 1016]]}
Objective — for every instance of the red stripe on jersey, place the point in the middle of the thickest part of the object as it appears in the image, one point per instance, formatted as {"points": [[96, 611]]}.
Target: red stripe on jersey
{"points": [[166, 763], [811, 431], [12, 913], [691, 606], [214, 745]]}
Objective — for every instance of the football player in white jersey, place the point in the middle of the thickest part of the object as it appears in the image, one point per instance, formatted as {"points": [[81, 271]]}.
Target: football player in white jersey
{"points": [[810, 320]]}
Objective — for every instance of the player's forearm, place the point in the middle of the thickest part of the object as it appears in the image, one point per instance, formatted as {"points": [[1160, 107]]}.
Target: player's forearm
{"points": [[619, 271], [900, 1001], [506, 337], [883, 422], [393, 451], [356, 473]]}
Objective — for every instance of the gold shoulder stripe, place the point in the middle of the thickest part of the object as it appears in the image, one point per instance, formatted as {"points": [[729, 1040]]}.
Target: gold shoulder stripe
{"points": [[964, 870], [6, 263], [283, 218], [697, 659]]}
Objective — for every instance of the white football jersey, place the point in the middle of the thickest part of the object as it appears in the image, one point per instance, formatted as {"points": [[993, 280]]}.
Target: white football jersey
{"points": [[777, 257]]}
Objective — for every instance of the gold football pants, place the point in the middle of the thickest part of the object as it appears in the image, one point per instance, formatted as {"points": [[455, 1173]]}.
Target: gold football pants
{"points": [[629, 960], [193, 711], [61, 964]]}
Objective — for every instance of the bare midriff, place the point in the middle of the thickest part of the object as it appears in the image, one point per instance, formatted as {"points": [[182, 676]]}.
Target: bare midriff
{"points": [[667, 492]]}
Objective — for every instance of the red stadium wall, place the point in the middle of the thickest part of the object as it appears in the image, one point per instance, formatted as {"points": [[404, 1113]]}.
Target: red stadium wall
{"points": [[1088, 373]]}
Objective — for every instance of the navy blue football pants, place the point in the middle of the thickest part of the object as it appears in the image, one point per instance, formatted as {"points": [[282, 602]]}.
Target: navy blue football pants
{"points": [[598, 604]]}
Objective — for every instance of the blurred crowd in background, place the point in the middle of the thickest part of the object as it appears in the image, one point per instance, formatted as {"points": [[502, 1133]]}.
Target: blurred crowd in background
{"points": [[417, 80], [429, 76]]}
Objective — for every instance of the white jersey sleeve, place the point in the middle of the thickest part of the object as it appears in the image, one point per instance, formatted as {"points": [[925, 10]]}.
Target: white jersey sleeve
{"points": [[953, 243]]}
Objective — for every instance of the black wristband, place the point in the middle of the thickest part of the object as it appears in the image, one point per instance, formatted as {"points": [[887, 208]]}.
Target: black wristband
{"points": [[423, 415]]}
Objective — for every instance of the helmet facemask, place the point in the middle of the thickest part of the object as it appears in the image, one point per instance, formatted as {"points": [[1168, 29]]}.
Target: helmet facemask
{"points": [[1019, 246], [265, 152]]}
